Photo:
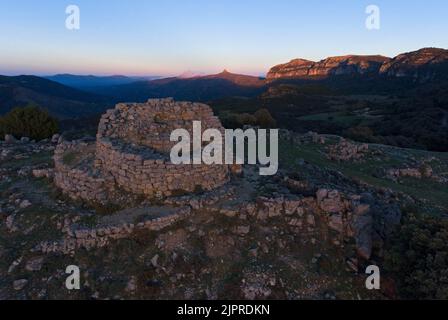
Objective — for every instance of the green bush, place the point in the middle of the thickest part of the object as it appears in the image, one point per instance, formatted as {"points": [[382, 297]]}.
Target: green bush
{"points": [[244, 119], [418, 257], [261, 118], [360, 133], [264, 119], [31, 122]]}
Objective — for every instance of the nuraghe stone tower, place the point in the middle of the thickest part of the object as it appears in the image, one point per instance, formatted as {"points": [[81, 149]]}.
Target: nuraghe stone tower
{"points": [[131, 153]]}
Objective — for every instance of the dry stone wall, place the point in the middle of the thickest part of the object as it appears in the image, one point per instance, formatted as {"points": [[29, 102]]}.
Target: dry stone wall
{"points": [[89, 238], [78, 182], [132, 153], [150, 124]]}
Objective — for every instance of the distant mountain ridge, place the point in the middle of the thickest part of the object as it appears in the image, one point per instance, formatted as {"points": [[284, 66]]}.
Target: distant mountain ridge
{"points": [[346, 72], [190, 74], [199, 88], [238, 79], [333, 66], [424, 65], [70, 96], [60, 101], [358, 71], [91, 81]]}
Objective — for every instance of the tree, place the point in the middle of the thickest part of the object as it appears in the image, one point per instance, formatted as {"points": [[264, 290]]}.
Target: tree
{"points": [[264, 119], [418, 257], [30, 121], [360, 133], [246, 119]]}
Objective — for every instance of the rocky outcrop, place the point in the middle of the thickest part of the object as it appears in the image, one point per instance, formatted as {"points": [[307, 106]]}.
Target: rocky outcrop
{"points": [[347, 151], [88, 238], [296, 68], [425, 171], [10, 138], [333, 66], [367, 220], [425, 64], [372, 223]]}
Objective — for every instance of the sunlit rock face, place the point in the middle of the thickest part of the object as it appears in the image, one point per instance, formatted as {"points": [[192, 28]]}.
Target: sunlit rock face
{"points": [[333, 66], [424, 65]]}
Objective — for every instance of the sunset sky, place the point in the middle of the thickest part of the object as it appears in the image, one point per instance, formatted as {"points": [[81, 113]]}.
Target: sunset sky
{"points": [[167, 37]]}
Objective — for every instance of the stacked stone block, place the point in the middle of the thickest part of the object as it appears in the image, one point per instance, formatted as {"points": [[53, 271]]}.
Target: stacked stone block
{"points": [[132, 153]]}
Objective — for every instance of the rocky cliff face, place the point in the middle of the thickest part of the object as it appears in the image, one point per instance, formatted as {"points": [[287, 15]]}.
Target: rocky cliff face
{"points": [[296, 68], [425, 64], [347, 65], [343, 65]]}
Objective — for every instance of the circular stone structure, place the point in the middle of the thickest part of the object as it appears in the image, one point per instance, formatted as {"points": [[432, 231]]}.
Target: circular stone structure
{"points": [[131, 153]]}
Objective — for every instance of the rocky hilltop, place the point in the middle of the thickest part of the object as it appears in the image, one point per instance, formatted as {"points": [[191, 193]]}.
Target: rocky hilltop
{"points": [[238, 79], [131, 153], [343, 65], [307, 233], [426, 63]]}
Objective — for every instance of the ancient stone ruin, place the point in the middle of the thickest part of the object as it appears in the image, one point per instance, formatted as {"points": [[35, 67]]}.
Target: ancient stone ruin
{"points": [[131, 154], [347, 151]]}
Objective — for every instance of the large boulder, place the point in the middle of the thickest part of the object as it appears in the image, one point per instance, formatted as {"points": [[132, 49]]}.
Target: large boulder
{"points": [[363, 228], [55, 138], [372, 222], [330, 201]]}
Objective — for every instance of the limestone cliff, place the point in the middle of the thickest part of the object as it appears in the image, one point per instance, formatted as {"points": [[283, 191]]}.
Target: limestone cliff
{"points": [[343, 65], [424, 65]]}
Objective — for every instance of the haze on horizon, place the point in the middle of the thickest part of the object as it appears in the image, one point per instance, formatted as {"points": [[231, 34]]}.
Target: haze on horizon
{"points": [[169, 37]]}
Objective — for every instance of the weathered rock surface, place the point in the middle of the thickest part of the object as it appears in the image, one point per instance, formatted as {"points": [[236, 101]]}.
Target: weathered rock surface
{"points": [[34, 264], [10, 139], [333, 66], [347, 151], [19, 284], [372, 223], [424, 65]]}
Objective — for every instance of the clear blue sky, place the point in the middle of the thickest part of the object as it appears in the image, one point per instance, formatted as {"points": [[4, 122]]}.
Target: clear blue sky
{"points": [[166, 37]]}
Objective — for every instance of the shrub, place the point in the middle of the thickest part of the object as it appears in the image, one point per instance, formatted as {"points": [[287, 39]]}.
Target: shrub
{"points": [[31, 122], [261, 118], [418, 257], [359, 133], [245, 119], [264, 119]]}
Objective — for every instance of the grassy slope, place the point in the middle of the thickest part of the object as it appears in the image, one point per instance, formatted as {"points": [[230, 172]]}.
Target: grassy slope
{"points": [[433, 195]]}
